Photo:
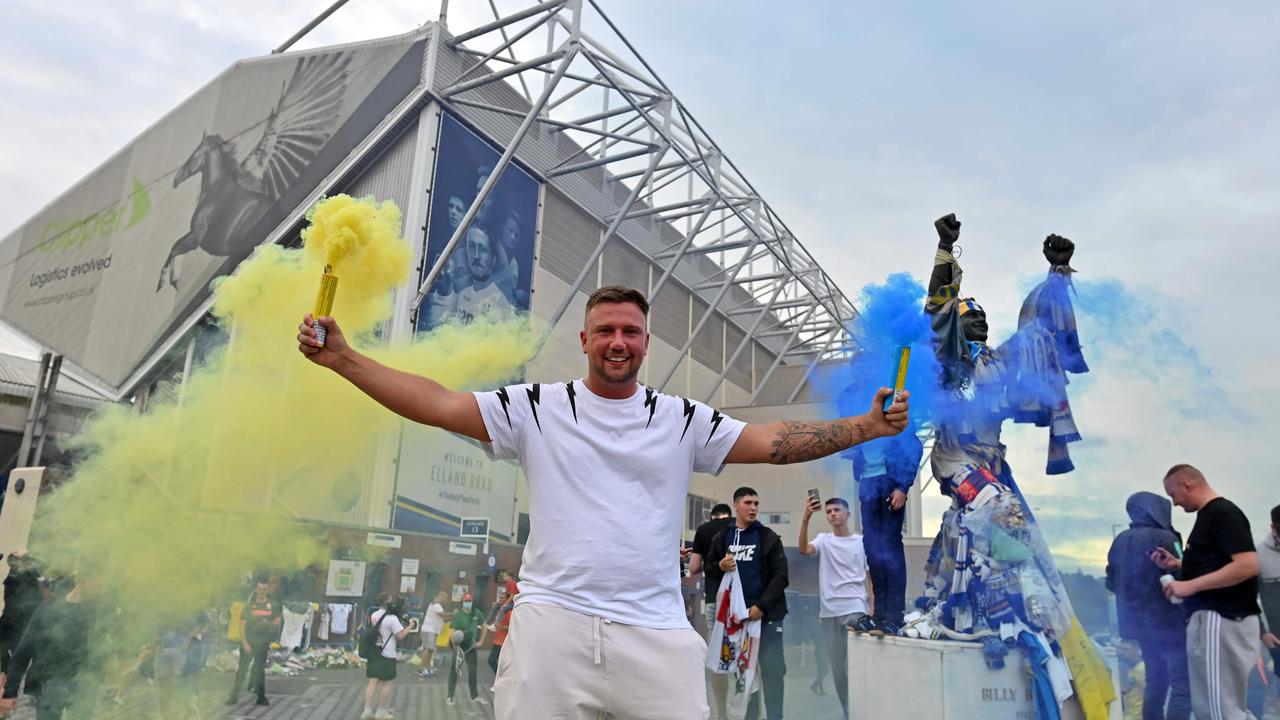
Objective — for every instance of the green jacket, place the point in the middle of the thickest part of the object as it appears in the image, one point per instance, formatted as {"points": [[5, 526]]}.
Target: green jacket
{"points": [[469, 623]]}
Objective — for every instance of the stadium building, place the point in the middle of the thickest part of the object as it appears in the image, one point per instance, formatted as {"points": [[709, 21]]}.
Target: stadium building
{"points": [[546, 129]]}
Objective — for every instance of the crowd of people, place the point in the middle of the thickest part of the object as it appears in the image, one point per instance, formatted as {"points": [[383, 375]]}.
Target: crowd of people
{"points": [[52, 648], [600, 633], [585, 633], [53, 625], [733, 540]]}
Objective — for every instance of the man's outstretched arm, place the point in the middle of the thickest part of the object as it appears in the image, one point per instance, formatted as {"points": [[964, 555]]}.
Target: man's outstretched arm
{"points": [[786, 442], [410, 396]]}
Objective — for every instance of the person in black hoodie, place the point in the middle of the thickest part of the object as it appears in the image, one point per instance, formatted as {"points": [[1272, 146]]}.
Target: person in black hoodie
{"points": [[1143, 613], [757, 553]]}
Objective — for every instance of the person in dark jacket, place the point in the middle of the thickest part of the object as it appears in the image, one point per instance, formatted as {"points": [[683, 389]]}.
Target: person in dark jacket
{"points": [[1143, 613], [57, 658], [21, 598], [721, 517], [757, 554]]}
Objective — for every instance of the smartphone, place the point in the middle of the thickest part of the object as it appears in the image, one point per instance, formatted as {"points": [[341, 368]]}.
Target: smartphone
{"points": [[814, 496], [901, 356]]}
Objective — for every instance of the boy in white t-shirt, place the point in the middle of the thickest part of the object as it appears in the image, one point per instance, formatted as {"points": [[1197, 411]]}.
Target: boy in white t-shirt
{"points": [[582, 445], [844, 586]]}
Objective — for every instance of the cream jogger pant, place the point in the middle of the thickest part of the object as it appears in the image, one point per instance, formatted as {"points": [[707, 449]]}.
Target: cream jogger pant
{"points": [[558, 664]]}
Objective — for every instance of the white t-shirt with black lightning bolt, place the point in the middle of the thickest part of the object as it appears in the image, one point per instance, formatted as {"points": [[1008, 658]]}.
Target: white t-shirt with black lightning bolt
{"points": [[607, 482]]}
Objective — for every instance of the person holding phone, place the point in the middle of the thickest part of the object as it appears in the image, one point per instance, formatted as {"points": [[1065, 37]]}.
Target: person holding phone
{"points": [[1217, 580], [845, 588], [381, 668], [583, 444]]}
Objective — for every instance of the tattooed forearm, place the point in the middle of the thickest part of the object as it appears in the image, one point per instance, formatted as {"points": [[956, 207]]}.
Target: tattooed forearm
{"points": [[803, 441]]}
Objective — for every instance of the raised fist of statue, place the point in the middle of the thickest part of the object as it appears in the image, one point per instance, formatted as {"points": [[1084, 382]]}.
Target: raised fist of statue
{"points": [[948, 228], [1058, 250]]}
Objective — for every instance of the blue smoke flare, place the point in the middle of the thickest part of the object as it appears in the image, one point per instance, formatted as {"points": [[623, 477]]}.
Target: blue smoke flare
{"points": [[892, 315]]}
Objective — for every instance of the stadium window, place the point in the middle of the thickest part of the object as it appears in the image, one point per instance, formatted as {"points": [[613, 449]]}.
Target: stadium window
{"points": [[697, 510]]}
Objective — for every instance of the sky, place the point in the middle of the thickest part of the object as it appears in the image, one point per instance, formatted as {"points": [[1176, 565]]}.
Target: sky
{"points": [[1143, 131]]}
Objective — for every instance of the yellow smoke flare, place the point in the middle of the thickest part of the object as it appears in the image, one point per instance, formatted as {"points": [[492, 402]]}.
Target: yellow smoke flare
{"points": [[171, 506]]}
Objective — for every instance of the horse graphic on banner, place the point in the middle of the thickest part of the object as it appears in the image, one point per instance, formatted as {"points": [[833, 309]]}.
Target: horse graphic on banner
{"points": [[242, 178]]}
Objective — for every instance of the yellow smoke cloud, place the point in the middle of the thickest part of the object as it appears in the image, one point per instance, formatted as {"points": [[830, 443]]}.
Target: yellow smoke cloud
{"points": [[172, 506]]}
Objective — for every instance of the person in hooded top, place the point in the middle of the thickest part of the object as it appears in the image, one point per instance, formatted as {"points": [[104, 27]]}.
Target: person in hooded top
{"points": [[757, 553], [1143, 613]]}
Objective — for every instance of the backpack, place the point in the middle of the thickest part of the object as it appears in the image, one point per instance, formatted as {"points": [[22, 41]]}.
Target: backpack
{"points": [[367, 645]]}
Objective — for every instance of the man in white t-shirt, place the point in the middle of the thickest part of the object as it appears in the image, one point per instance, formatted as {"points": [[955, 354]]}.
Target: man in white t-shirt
{"points": [[432, 624], [844, 586], [599, 626]]}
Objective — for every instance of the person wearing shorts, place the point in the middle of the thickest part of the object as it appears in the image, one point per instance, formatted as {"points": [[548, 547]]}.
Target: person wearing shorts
{"points": [[432, 624], [381, 667], [599, 627]]}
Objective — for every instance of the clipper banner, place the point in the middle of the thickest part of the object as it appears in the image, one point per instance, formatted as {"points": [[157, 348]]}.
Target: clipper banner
{"points": [[109, 270]]}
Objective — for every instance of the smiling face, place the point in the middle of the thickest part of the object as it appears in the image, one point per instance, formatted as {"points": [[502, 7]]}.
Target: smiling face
{"points": [[615, 341]]}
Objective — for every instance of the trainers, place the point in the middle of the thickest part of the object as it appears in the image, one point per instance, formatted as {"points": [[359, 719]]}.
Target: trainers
{"points": [[866, 625], [383, 714], [450, 701], [479, 700], [367, 714], [424, 674]]}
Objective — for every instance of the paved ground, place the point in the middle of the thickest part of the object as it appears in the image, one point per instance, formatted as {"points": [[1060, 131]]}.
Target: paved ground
{"points": [[337, 695]]}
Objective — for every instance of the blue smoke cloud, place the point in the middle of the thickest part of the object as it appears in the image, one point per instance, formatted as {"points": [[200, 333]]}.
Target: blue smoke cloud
{"points": [[1133, 334], [1141, 357], [892, 315], [1026, 385]]}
